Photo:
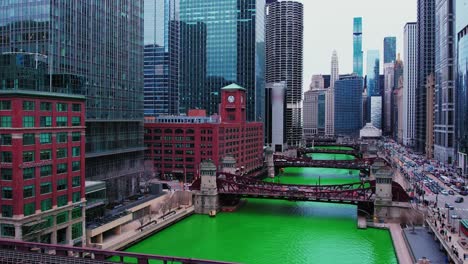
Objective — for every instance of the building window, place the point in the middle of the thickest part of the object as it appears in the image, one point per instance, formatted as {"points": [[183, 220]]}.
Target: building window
{"points": [[5, 121], [28, 191], [76, 107], [5, 139], [76, 136], [61, 153], [62, 200], [77, 230], [61, 121], [29, 139], [28, 121], [7, 211], [46, 121], [46, 154], [46, 106], [76, 181], [76, 197], [76, 151], [62, 218], [45, 138], [7, 174], [28, 156], [62, 107], [46, 204], [76, 213], [62, 137], [29, 209], [5, 105], [62, 168], [62, 184], [8, 230], [76, 166], [28, 105], [46, 170], [46, 187], [29, 173], [6, 156], [7, 193], [76, 121]]}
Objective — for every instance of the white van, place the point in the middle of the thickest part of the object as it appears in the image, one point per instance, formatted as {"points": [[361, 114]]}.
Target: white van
{"points": [[445, 179]]}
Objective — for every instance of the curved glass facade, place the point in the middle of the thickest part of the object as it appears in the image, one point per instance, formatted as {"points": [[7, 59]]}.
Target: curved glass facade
{"points": [[462, 94]]}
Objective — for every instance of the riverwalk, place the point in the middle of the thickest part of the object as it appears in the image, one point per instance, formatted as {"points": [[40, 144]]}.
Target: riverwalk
{"points": [[399, 243]]}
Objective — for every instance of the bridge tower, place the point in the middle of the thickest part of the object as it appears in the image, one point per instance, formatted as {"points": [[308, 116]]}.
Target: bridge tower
{"points": [[270, 162], [383, 176], [228, 164], [206, 200]]}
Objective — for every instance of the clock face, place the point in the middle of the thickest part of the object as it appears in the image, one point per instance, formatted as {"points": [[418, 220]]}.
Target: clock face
{"points": [[231, 99]]}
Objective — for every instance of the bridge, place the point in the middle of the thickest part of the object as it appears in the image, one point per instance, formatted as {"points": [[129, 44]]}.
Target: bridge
{"points": [[355, 146], [302, 152], [284, 162]]}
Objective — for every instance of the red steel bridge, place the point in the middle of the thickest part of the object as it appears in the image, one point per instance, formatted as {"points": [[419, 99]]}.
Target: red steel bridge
{"points": [[301, 152], [359, 164], [355, 146]]}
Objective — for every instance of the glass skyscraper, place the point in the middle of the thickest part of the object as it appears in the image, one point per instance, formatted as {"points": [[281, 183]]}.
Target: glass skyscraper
{"points": [[221, 42], [373, 73], [389, 49], [348, 105], [102, 41], [357, 46]]}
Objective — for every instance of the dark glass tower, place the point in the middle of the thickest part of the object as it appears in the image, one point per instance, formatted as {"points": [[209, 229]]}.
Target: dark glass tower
{"points": [[389, 49], [102, 42], [348, 105], [357, 46]]}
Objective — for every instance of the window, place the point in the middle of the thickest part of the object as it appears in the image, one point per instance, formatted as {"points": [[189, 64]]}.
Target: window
{"points": [[29, 173], [28, 121], [76, 166], [29, 209], [7, 174], [62, 107], [46, 187], [62, 200], [62, 137], [62, 218], [61, 153], [46, 170], [46, 204], [6, 156], [76, 213], [76, 136], [46, 154], [5, 121], [76, 151], [62, 184], [61, 121], [28, 191], [46, 138], [5, 139], [76, 108], [46, 106], [7, 193], [8, 230], [7, 211], [46, 121], [5, 105], [76, 121], [28, 156], [62, 168], [28, 105], [76, 181], [29, 139], [76, 197], [77, 230]]}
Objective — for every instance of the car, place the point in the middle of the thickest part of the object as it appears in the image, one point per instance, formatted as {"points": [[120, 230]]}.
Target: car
{"points": [[459, 200], [444, 192], [451, 192], [464, 193]]}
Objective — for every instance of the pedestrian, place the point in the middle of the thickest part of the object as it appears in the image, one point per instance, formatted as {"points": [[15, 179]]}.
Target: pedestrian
{"points": [[450, 238]]}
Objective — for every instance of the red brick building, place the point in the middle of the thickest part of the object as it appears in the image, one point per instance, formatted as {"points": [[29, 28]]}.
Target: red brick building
{"points": [[177, 144]]}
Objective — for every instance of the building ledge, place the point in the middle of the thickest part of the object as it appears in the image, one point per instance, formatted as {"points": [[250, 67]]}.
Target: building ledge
{"points": [[114, 152]]}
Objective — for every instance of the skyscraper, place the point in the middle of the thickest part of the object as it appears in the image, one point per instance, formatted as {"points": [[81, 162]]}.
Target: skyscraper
{"points": [[373, 73], [389, 72], [445, 77], [103, 44], [314, 112], [397, 99], [389, 49], [426, 60], [330, 97], [410, 83], [357, 46], [284, 46], [221, 42], [348, 105], [335, 73]]}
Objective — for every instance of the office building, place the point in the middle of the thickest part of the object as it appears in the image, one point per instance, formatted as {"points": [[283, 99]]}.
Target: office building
{"points": [[284, 46], [314, 112], [103, 44], [330, 97], [42, 152], [373, 87], [410, 83], [426, 60], [397, 99], [445, 78], [376, 111], [348, 105], [357, 47], [430, 135], [221, 42], [275, 118], [389, 72], [389, 49], [335, 71], [317, 82], [178, 144]]}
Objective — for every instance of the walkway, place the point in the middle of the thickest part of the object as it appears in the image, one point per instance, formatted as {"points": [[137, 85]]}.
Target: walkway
{"points": [[399, 244]]}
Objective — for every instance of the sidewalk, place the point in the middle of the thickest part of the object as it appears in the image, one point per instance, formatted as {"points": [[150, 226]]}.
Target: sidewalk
{"points": [[399, 244]]}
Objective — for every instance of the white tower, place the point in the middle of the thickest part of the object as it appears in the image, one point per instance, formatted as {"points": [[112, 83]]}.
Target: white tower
{"points": [[410, 78], [335, 73], [330, 97]]}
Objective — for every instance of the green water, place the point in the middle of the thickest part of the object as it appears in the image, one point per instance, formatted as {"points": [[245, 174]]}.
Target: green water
{"points": [[333, 147], [328, 156], [310, 176]]}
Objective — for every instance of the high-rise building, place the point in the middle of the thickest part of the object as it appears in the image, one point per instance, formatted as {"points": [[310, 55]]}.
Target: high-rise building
{"points": [[348, 105], [430, 88], [461, 29], [397, 99], [389, 49], [221, 42], [314, 112], [42, 152], [376, 111], [410, 83], [317, 82], [275, 118], [330, 97], [445, 77], [373, 88], [335, 72], [357, 47], [426, 60], [103, 44], [389, 72], [284, 47], [160, 57]]}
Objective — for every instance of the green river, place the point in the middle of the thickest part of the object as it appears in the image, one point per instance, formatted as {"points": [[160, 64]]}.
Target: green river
{"points": [[274, 231]]}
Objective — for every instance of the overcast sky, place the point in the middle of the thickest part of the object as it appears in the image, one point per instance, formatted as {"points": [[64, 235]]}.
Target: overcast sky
{"points": [[328, 25]]}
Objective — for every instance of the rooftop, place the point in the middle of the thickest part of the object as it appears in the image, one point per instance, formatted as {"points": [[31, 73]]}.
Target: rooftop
{"points": [[233, 86]]}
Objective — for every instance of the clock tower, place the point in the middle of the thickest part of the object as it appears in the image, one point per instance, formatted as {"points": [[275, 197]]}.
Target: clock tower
{"points": [[232, 106]]}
